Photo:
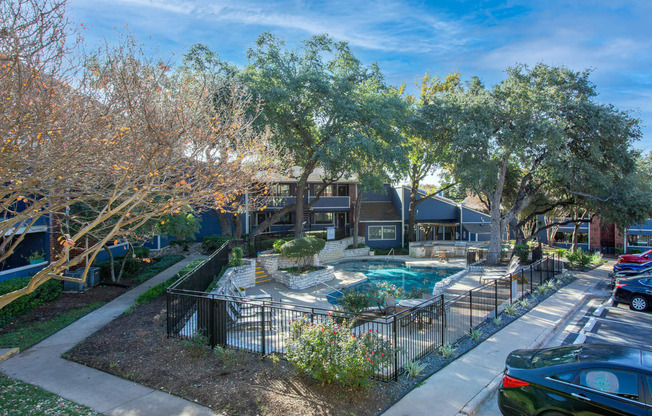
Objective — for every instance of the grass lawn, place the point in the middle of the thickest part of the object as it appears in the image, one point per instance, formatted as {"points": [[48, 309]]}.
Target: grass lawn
{"points": [[22, 399], [33, 332]]}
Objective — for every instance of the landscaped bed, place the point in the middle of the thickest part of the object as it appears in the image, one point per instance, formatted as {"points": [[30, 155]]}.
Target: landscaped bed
{"points": [[244, 384]]}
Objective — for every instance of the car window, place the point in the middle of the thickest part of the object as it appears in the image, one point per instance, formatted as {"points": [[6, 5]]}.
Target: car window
{"points": [[556, 356], [568, 376], [646, 282], [621, 383]]}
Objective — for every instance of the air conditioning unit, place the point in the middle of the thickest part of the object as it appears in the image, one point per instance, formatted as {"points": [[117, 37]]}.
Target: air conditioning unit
{"points": [[92, 279]]}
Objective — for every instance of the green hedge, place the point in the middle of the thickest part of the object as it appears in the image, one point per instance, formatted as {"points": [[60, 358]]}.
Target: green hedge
{"points": [[45, 293], [159, 289], [163, 263]]}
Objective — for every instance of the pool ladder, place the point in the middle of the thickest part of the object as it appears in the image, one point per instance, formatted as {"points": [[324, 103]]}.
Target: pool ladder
{"points": [[314, 293], [389, 254]]}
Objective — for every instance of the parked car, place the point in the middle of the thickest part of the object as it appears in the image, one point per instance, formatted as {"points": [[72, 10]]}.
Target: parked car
{"points": [[588, 379], [629, 273], [635, 291], [632, 266], [635, 258]]}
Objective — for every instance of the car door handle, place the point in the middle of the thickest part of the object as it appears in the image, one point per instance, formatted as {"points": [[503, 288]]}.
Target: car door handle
{"points": [[581, 397]]}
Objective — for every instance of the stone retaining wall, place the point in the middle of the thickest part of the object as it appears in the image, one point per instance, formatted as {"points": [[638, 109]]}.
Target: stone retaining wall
{"points": [[334, 250], [356, 252], [241, 276], [304, 281]]}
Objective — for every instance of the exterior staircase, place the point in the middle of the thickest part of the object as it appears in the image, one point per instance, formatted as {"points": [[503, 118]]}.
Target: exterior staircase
{"points": [[261, 275]]}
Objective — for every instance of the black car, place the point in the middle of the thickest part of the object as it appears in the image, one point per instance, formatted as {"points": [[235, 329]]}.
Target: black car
{"points": [[590, 379], [629, 273], [635, 291]]}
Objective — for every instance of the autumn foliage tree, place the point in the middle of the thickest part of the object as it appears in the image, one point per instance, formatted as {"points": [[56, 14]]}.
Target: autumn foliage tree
{"points": [[129, 138]]}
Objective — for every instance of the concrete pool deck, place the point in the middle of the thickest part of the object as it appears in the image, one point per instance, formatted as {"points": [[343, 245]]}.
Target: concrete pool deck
{"points": [[315, 297]]}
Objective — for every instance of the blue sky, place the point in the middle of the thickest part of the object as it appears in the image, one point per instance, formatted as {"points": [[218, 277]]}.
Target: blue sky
{"points": [[409, 38]]}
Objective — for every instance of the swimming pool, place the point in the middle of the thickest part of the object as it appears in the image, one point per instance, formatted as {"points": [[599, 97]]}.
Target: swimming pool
{"points": [[396, 273]]}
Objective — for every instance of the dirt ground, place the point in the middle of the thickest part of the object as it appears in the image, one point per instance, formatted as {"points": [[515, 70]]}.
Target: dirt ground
{"points": [[249, 386], [66, 302]]}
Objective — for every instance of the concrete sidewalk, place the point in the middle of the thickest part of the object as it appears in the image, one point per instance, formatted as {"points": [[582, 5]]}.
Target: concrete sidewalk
{"points": [[43, 366], [462, 386]]}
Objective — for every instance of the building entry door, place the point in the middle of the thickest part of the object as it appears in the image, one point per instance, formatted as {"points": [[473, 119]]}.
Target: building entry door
{"points": [[341, 219]]}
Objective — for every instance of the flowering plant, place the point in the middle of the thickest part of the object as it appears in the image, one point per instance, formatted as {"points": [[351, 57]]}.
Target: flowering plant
{"points": [[331, 352]]}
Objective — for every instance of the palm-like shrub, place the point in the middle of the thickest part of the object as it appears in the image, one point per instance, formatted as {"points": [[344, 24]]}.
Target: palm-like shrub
{"points": [[302, 249]]}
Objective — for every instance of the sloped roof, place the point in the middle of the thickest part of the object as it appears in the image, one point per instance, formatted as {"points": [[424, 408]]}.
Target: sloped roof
{"points": [[317, 175], [378, 211]]}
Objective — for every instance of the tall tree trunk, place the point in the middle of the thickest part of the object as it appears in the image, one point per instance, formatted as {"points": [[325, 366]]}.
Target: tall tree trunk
{"points": [[225, 222], [496, 227], [356, 216], [301, 191], [520, 235], [412, 210], [111, 267], [237, 226], [130, 248]]}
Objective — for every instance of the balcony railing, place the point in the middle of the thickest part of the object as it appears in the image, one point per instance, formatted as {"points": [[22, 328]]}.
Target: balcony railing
{"points": [[331, 202]]}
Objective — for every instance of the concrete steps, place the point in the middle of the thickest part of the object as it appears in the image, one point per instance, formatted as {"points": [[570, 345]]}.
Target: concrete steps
{"points": [[261, 275]]}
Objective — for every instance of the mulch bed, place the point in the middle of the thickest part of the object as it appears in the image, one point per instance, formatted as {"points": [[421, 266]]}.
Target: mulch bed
{"points": [[65, 303], [135, 346]]}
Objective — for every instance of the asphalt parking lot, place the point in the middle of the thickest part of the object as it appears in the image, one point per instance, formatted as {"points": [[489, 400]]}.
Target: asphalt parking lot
{"points": [[597, 321]]}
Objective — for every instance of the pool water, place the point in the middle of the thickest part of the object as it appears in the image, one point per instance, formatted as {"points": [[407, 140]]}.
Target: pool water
{"points": [[396, 273]]}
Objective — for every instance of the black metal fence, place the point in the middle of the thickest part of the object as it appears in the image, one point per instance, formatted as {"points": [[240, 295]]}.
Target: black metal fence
{"points": [[264, 326]]}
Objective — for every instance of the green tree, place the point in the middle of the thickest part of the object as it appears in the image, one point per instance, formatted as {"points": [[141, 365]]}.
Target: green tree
{"points": [[321, 103], [542, 124], [429, 131]]}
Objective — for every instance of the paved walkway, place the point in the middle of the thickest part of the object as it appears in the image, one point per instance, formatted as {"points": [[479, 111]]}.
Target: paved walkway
{"points": [[43, 366], [462, 386]]}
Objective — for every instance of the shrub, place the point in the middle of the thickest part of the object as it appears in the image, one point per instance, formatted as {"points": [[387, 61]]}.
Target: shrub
{"points": [[236, 257], [497, 321], [211, 243], [510, 309], [521, 251], [634, 251], [446, 351], [578, 259], [141, 252], [330, 353], [131, 267], [278, 244], [45, 293], [197, 345], [383, 290], [302, 249], [414, 368], [475, 334], [619, 251], [354, 302], [360, 245]]}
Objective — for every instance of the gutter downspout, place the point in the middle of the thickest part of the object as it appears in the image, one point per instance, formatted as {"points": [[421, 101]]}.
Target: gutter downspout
{"points": [[401, 198]]}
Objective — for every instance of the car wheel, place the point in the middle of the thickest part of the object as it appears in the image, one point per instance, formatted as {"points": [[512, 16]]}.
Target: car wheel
{"points": [[638, 303]]}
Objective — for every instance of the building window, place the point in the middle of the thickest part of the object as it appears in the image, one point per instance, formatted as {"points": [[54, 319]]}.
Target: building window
{"points": [[279, 190], [382, 232], [638, 240], [323, 217], [567, 237], [328, 191], [342, 190]]}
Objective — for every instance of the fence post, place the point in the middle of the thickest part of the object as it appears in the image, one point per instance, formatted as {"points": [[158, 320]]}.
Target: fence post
{"points": [[443, 320], [262, 331], [511, 276], [212, 328], [531, 279], [470, 309], [220, 321], [496, 298], [395, 349]]}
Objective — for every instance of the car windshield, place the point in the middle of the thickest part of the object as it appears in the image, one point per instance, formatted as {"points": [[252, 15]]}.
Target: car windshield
{"points": [[556, 356]]}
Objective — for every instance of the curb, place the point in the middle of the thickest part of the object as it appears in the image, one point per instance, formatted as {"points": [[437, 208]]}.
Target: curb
{"points": [[6, 353], [473, 405]]}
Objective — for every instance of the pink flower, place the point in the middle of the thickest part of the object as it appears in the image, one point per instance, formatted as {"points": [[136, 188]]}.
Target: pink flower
{"points": [[330, 313], [382, 354]]}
